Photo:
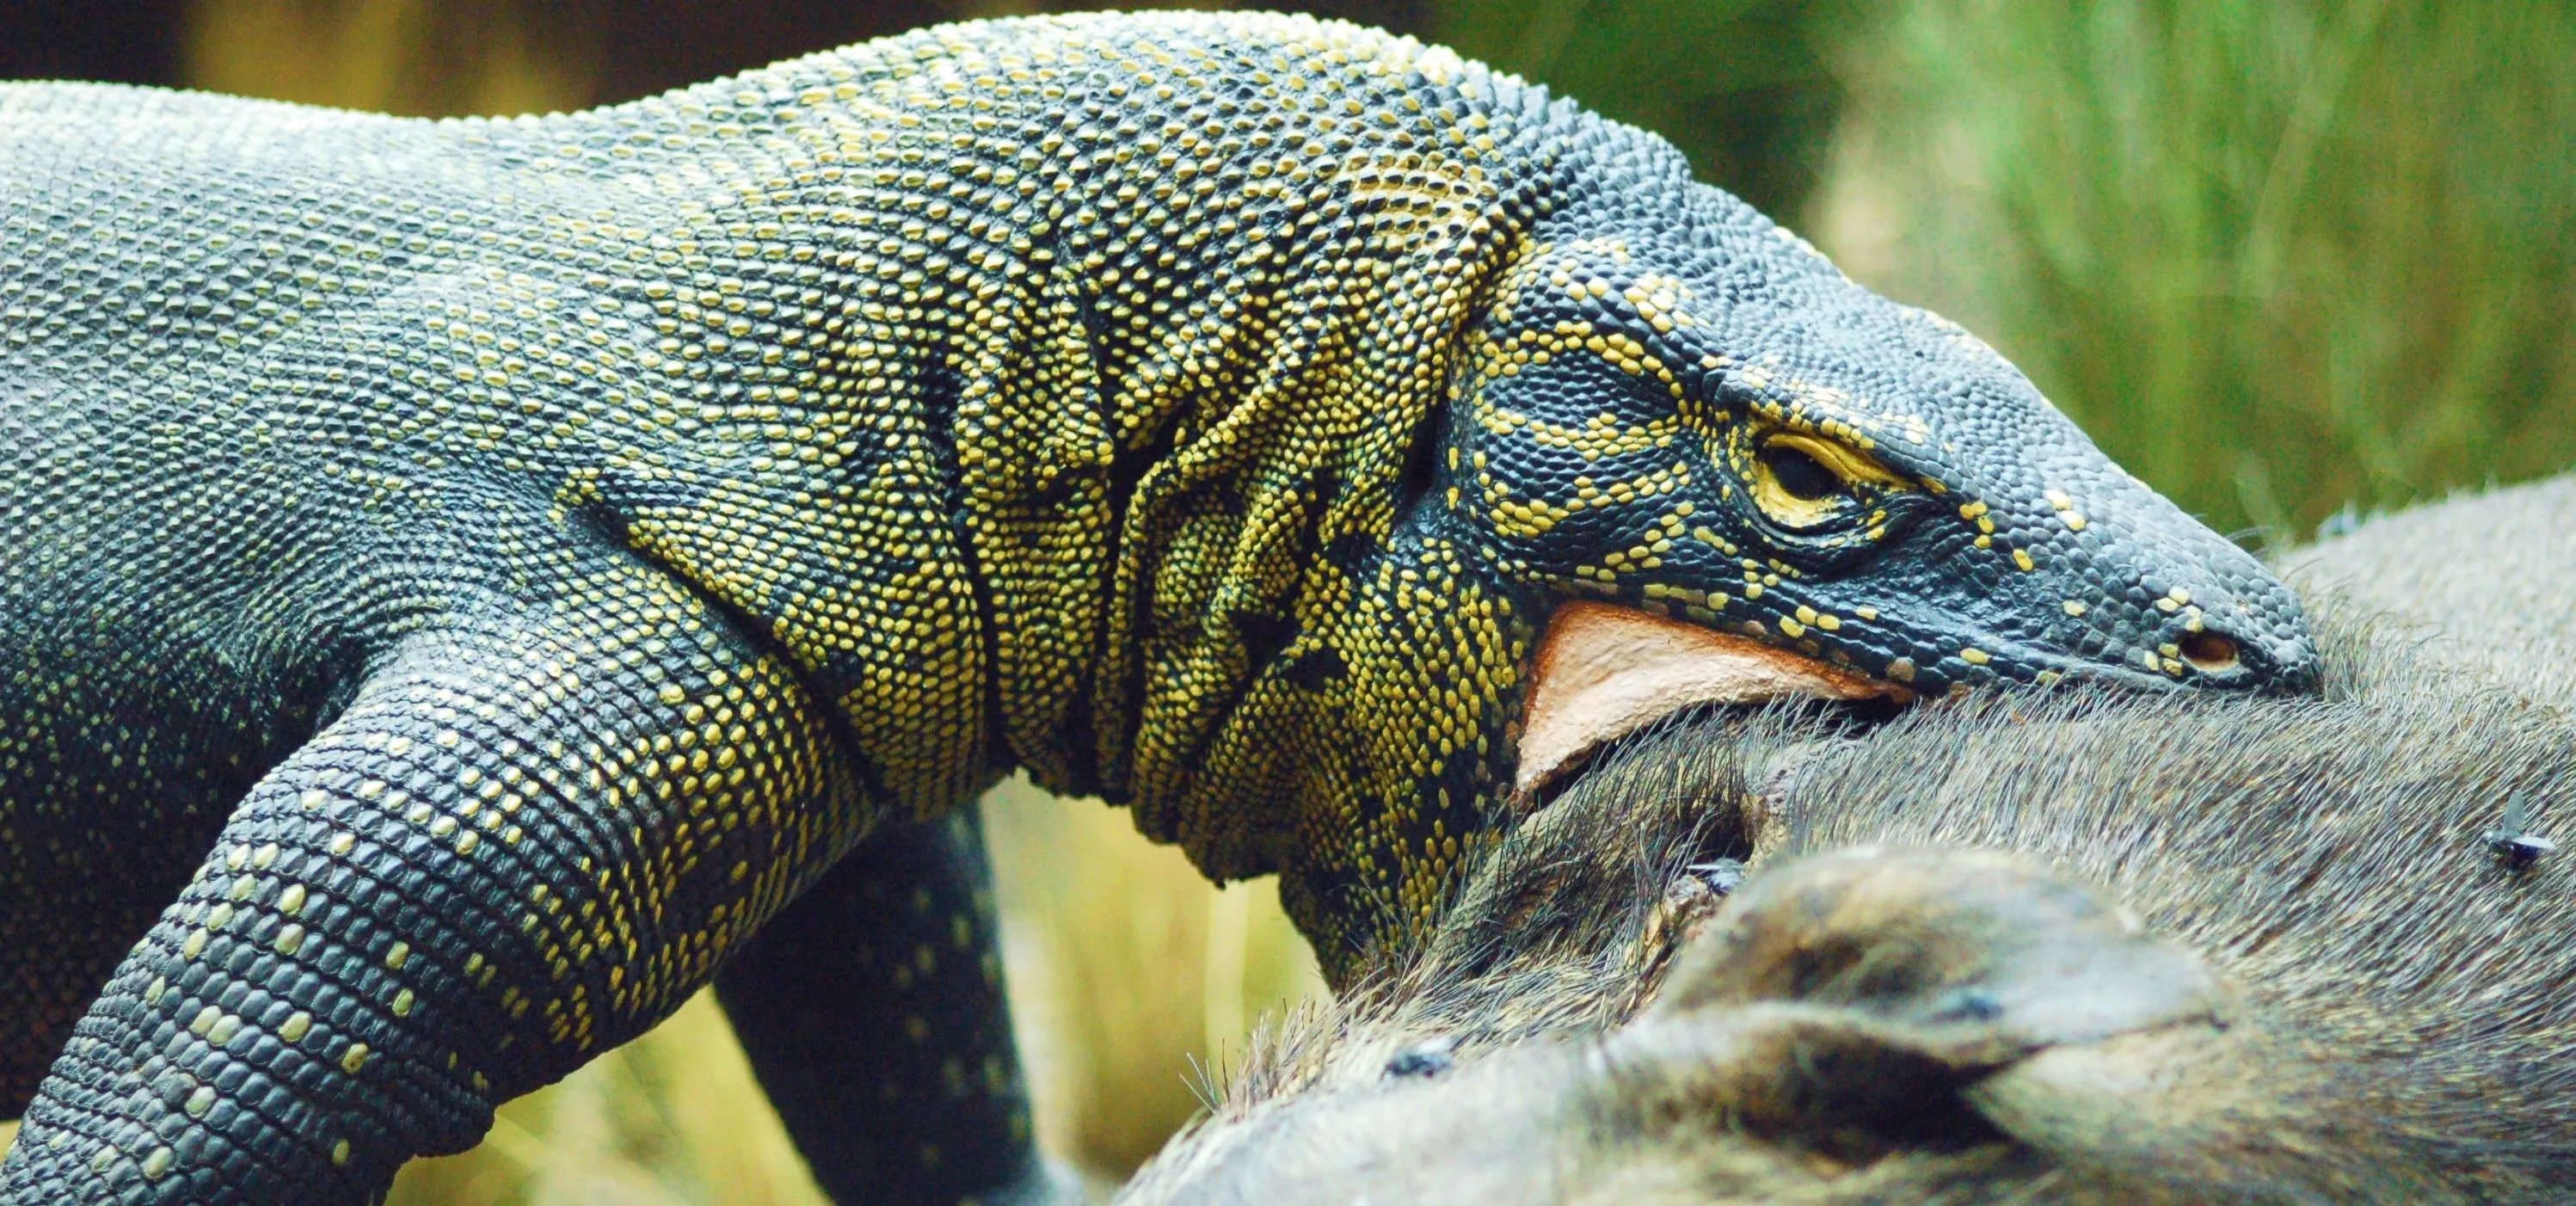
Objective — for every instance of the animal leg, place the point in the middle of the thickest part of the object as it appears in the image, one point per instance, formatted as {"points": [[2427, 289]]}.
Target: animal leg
{"points": [[527, 839]]}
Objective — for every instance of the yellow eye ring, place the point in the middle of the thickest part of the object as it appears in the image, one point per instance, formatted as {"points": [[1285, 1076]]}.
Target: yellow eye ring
{"points": [[1800, 481]]}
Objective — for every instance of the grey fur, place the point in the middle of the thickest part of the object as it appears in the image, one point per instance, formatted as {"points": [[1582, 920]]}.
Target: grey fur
{"points": [[2386, 1010]]}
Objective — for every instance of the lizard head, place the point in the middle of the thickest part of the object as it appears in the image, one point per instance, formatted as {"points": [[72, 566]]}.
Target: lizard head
{"points": [[1681, 459], [1779, 483], [1596, 444]]}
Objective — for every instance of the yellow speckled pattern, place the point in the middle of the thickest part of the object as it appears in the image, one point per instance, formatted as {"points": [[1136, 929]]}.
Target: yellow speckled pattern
{"points": [[458, 580]]}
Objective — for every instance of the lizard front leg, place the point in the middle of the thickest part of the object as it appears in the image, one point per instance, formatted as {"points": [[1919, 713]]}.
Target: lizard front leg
{"points": [[533, 832]]}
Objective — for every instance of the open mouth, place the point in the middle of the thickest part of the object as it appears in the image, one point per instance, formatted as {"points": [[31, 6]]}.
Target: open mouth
{"points": [[1603, 672]]}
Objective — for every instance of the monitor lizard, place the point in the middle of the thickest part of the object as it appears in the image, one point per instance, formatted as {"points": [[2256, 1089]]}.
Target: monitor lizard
{"points": [[459, 580]]}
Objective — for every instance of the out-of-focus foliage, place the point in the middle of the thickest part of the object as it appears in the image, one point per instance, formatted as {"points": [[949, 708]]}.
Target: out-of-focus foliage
{"points": [[417, 57], [1132, 980], [126, 42], [2276, 257], [437, 57], [672, 1120], [1746, 88]]}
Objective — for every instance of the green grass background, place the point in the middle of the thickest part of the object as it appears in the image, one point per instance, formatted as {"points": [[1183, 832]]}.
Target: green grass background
{"points": [[2281, 259]]}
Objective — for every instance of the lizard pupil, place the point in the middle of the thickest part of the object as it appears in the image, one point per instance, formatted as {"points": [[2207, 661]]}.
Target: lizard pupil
{"points": [[1804, 477]]}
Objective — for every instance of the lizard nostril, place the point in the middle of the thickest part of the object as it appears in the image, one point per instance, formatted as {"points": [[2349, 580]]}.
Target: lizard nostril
{"points": [[2210, 652]]}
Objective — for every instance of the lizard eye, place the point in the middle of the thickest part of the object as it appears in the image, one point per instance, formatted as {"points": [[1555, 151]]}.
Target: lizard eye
{"points": [[1802, 482], [1801, 476]]}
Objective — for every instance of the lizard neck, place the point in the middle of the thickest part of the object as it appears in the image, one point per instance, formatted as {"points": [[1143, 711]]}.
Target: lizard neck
{"points": [[1028, 376]]}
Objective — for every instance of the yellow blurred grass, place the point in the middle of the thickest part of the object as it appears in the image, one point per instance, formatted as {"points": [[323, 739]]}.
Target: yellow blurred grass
{"points": [[423, 58], [673, 1119], [1128, 972]]}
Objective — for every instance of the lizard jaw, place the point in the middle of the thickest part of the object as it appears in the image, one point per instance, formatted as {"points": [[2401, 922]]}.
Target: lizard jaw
{"points": [[1603, 672]]}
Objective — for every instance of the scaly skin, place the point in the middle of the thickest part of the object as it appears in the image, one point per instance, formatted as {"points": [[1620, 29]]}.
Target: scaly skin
{"points": [[457, 580]]}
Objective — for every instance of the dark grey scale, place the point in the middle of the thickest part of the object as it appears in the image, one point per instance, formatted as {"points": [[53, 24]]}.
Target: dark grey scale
{"points": [[874, 1013]]}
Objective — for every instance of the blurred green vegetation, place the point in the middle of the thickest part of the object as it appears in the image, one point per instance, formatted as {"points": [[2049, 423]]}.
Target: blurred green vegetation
{"points": [[1747, 88], [2278, 258]]}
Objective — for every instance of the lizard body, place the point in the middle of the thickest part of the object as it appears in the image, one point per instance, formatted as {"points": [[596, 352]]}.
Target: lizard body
{"points": [[459, 579]]}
